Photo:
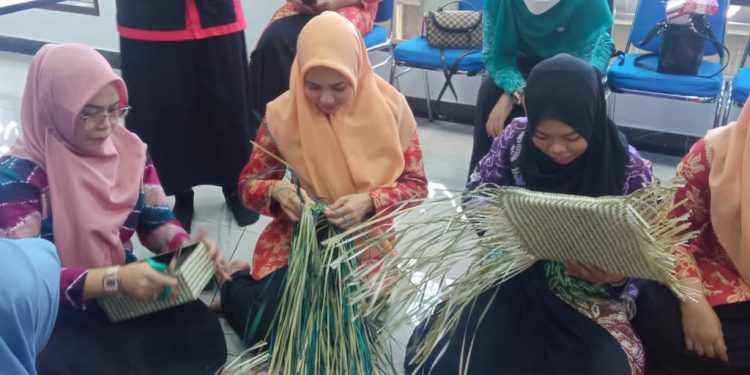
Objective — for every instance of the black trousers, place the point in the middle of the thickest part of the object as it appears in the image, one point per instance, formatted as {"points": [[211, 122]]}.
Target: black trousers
{"points": [[189, 102], [250, 305], [658, 322], [489, 94], [271, 62], [183, 340]]}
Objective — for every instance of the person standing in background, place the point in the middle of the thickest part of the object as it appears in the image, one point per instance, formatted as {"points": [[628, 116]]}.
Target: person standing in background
{"points": [[185, 62]]}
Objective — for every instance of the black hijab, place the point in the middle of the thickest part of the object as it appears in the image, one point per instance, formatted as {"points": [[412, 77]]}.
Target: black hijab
{"points": [[567, 89]]}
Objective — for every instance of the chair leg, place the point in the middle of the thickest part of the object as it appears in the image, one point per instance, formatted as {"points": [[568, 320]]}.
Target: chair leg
{"points": [[720, 105], [392, 76], [611, 102], [726, 112], [427, 96], [727, 106]]}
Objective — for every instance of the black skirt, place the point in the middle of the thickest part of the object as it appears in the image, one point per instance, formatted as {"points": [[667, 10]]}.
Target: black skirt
{"points": [[183, 340], [190, 106], [528, 330], [658, 322]]}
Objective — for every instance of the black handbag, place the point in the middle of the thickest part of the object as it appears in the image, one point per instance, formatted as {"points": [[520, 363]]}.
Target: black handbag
{"points": [[682, 47]]}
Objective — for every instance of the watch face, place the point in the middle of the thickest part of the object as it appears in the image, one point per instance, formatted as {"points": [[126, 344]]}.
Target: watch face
{"points": [[110, 284]]}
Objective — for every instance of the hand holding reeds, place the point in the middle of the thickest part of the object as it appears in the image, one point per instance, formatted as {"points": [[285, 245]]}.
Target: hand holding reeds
{"points": [[349, 211], [291, 198]]}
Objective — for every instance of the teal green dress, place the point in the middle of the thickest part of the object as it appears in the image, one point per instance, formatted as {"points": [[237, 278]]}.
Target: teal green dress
{"points": [[577, 27]]}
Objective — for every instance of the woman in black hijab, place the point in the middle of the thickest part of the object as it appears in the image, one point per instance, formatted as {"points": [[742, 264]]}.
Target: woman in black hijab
{"points": [[553, 318]]}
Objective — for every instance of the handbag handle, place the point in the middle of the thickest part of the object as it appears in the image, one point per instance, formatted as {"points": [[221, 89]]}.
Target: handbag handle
{"points": [[470, 28], [457, 2], [707, 34]]}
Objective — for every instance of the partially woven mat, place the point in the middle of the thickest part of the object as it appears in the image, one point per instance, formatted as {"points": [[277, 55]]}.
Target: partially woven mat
{"points": [[633, 236], [609, 232]]}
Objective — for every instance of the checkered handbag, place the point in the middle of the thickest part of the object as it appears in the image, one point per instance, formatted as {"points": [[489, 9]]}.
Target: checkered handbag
{"points": [[457, 29]]}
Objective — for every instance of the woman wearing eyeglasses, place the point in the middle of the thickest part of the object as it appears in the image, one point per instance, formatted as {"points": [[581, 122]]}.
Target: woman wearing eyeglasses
{"points": [[79, 179]]}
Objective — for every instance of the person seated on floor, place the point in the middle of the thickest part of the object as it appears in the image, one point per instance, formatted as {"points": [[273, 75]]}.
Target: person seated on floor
{"points": [[351, 139], [271, 61], [30, 273], [553, 318], [710, 334], [80, 180], [519, 34]]}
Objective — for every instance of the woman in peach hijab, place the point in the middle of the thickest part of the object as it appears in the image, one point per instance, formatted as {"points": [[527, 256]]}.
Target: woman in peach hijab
{"points": [[710, 335], [350, 138]]}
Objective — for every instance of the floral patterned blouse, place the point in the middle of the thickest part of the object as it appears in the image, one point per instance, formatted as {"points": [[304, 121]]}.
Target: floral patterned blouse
{"points": [[362, 16], [24, 202], [704, 257], [263, 171]]}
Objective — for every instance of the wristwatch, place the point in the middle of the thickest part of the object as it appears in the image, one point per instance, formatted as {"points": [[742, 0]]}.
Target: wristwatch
{"points": [[517, 95], [111, 279]]}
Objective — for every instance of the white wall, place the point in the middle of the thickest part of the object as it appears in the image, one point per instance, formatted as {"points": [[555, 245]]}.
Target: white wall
{"points": [[101, 32]]}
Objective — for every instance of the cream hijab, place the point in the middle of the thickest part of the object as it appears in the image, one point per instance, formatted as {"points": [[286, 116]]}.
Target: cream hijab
{"points": [[360, 147], [729, 179]]}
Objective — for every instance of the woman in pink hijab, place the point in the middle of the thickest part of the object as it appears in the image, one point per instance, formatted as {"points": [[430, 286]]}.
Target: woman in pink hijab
{"points": [[79, 179]]}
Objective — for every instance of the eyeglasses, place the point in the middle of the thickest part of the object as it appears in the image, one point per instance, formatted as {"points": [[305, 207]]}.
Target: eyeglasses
{"points": [[114, 116]]}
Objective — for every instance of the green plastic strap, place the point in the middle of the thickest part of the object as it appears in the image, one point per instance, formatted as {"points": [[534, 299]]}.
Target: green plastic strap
{"points": [[160, 267]]}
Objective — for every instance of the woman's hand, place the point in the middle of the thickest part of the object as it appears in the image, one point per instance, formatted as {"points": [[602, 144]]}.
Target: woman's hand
{"points": [[702, 329], [349, 210], [141, 281], [217, 256], [590, 273], [286, 194], [498, 115]]}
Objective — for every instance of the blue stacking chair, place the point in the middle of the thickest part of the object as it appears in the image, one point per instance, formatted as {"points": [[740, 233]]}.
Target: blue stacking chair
{"points": [[626, 78], [739, 88], [416, 53], [380, 37]]}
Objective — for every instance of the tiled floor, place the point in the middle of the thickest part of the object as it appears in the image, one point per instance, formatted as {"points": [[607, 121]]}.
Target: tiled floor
{"points": [[446, 149]]}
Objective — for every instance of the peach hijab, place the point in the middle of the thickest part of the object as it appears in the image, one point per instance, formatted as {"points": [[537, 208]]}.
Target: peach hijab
{"points": [[728, 148], [360, 147], [91, 195]]}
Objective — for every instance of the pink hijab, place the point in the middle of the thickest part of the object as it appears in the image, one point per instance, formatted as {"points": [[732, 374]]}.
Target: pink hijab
{"points": [[91, 195]]}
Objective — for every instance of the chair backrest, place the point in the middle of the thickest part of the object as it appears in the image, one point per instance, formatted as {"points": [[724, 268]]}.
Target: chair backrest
{"points": [[385, 11], [479, 4], [650, 12]]}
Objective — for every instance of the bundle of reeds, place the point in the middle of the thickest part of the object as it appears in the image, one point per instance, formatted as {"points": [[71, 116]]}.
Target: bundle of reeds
{"points": [[319, 329]]}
